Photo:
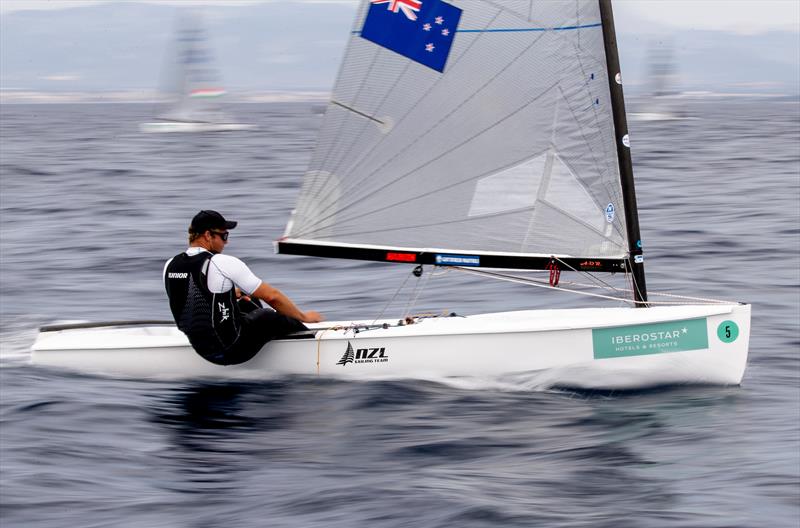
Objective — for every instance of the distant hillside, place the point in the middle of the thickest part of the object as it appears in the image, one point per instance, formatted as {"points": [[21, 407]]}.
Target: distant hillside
{"points": [[123, 46], [297, 46], [717, 61]]}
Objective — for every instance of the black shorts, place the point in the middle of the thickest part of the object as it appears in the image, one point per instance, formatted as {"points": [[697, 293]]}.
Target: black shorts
{"points": [[258, 327]]}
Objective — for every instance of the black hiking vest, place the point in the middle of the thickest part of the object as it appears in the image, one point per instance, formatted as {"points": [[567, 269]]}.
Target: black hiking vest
{"points": [[211, 321]]}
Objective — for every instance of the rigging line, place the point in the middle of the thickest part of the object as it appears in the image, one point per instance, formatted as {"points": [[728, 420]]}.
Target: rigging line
{"points": [[629, 279], [433, 86], [544, 284], [638, 291], [509, 278], [430, 161], [319, 344], [420, 286], [386, 306], [689, 298], [419, 137], [623, 290], [569, 283]]}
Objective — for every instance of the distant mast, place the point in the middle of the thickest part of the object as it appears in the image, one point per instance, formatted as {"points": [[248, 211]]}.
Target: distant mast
{"points": [[636, 261]]}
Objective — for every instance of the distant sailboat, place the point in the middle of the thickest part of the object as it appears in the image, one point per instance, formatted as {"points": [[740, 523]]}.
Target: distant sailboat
{"points": [[197, 89], [664, 101]]}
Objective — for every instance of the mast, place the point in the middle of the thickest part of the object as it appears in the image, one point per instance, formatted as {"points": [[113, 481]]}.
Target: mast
{"points": [[636, 261]]}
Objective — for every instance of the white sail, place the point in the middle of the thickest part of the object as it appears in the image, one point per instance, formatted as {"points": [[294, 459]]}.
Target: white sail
{"points": [[195, 86], [197, 82], [510, 149]]}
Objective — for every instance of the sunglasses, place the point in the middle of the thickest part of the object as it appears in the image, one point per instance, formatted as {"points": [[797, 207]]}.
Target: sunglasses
{"points": [[223, 236]]}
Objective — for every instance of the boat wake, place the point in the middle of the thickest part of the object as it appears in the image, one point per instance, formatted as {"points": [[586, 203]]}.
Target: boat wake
{"points": [[16, 338]]}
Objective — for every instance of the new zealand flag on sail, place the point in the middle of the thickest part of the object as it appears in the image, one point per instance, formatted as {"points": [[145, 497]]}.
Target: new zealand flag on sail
{"points": [[421, 30]]}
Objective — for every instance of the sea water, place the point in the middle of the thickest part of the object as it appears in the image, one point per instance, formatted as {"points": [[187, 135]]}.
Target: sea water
{"points": [[91, 208]]}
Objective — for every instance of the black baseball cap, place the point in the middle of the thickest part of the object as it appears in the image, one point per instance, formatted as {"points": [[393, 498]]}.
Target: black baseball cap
{"points": [[207, 219]]}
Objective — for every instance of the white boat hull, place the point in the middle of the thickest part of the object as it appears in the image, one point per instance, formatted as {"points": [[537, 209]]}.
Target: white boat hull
{"points": [[599, 348], [189, 126]]}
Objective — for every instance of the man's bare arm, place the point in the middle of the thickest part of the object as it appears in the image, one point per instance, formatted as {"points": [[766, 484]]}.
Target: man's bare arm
{"points": [[283, 305]]}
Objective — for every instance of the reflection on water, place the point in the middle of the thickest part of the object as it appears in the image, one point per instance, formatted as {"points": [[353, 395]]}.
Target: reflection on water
{"points": [[217, 409]]}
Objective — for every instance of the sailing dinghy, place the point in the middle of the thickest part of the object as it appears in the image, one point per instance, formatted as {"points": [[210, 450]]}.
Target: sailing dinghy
{"points": [[485, 137], [197, 92]]}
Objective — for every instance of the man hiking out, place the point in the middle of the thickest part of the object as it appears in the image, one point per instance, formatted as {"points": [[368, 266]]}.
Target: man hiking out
{"points": [[213, 297]]}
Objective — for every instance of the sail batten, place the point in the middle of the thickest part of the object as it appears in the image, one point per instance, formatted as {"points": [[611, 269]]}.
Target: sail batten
{"points": [[510, 148]]}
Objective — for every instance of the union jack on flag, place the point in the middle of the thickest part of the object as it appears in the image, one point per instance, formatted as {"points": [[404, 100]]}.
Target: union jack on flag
{"points": [[407, 6]]}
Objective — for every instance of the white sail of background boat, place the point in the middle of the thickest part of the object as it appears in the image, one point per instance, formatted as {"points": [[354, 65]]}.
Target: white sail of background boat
{"points": [[196, 88], [663, 101], [483, 136]]}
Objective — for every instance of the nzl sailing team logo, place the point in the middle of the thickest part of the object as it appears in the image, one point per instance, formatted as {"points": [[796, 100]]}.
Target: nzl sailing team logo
{"points": [[363, 355]]}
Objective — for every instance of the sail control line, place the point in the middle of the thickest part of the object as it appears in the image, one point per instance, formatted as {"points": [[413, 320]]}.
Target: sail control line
{"points": [[555, 272], [624, 294]]}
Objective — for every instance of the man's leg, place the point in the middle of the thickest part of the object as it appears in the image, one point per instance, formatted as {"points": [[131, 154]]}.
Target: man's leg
{"points": [[272, 324], [259, 327]]}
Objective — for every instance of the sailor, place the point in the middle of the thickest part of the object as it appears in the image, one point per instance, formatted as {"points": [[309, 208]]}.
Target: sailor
{"points": [[214, 297]]}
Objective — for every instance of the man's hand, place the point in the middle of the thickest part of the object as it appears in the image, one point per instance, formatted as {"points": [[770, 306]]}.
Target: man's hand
{"points": [[283, 305], [239, 295], [311, 316]]}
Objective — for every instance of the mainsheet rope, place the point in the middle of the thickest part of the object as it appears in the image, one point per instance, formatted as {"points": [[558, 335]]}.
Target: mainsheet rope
{"points": [[422, 283]]}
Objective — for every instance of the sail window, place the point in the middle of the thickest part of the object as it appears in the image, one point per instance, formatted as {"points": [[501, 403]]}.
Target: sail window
{"points": [[510, 189]]}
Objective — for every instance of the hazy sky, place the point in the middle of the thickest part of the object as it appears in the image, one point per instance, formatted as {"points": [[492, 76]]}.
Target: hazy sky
{"points": [[746, 16]]}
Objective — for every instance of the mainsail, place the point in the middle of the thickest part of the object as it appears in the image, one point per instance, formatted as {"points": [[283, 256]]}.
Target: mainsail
{"points": [[502, 153]]}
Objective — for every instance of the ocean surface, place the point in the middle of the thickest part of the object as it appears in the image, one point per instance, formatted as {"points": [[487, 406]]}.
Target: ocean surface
{"points": [[90, 209]]}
